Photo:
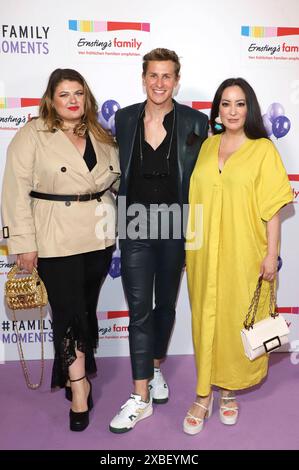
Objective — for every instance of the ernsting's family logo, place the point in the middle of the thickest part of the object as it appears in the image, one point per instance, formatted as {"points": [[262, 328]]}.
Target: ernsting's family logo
{"points": [[270, 43], [15, 112], [24, 39], [295, 179], [109, 38]]}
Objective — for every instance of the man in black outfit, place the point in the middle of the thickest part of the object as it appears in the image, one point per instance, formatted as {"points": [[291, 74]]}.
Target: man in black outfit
{"points": [[159, 141]]}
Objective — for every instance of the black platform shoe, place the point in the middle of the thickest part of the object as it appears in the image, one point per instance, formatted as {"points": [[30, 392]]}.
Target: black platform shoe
{"points": [[80, 420]]}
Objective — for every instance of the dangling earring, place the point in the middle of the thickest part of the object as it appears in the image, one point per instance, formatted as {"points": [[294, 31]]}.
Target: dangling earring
{"points": [[218, 126]]}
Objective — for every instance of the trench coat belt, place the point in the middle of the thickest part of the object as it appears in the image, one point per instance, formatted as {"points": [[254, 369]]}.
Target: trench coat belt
{"points": [[67, 197]]}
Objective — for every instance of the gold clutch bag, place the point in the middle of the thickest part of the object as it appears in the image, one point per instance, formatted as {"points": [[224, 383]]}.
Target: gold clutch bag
{"points": [[26, 292]]}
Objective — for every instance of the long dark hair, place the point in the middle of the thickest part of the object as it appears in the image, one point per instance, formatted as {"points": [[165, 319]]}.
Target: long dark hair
{"points": [[89, 121], [254, 127]]}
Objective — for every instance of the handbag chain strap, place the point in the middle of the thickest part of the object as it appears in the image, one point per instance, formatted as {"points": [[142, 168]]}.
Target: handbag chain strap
{"points": [[255, 301], [23, 362]]}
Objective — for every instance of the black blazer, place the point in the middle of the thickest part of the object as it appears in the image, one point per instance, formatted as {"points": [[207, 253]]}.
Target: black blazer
{"points": [[192, 130]]}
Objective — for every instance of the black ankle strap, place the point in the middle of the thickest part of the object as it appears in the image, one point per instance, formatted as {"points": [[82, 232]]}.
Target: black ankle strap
{"points": [[77, 380]]}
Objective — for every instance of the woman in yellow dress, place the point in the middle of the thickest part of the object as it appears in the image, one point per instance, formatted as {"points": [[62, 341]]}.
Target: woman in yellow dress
{"points": [[241, 184]]}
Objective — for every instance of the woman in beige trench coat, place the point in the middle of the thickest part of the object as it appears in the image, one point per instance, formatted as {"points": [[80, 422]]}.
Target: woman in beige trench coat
{"points": [[59, 216]]}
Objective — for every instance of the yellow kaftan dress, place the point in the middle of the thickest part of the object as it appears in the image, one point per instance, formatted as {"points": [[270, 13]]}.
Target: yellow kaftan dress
{"points": [[223, 272]]}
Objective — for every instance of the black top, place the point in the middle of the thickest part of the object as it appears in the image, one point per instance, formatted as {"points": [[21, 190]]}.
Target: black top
{"points": [[153, 179], [191, 130], [89, 154]]}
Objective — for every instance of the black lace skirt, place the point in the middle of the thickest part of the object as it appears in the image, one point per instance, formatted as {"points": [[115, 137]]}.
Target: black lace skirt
{"points": [[73, 284]]}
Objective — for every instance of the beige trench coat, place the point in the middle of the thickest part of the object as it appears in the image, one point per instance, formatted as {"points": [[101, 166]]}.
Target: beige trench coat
{"points": [[48, 162]]}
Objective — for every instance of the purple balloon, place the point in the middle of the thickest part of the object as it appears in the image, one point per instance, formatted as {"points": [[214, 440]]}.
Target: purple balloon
{"points": [[102, 121], [275, 110], [109, 108], [281, 126], [267, 124], [111, 124]]}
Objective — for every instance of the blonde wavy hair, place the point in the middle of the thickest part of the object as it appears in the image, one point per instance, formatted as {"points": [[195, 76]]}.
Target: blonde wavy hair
{"points": [[89, 120]]}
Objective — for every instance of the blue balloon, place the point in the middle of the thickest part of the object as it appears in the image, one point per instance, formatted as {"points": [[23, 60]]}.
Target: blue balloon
{"points": [[114, 269], [281, 126], [102, 121], [109, 108]]}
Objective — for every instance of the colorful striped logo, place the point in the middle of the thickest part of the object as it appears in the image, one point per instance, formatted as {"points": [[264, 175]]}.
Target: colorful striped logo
{"points": [[267, 31], [90, 26], [112, 314], [290, 310], [6, 103], [198, 104], [293, 177]]}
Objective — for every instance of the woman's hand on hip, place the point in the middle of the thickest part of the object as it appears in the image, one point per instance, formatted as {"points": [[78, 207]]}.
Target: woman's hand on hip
{"points": [[27, 261], [269, 268]]}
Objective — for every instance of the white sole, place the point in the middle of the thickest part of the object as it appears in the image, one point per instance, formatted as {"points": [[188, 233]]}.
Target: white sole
{"points": [[228, 420], [192, 430]]}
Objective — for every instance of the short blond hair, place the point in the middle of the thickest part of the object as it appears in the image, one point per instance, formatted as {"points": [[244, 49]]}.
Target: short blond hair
{"points": [[160, 54]]}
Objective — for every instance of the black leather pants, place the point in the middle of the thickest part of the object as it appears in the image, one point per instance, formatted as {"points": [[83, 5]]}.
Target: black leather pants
{"points": [[150, 266]]}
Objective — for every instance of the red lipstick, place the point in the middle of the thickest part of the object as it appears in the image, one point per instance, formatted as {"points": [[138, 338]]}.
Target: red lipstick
{"points": [[73, 108]]}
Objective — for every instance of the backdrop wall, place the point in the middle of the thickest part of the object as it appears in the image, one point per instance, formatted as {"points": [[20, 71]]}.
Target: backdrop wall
{"points": [[105, 42]]}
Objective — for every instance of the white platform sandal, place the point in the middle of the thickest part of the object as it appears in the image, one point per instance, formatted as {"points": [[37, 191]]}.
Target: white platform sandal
{"points": [[228, 419], [196, 428]]}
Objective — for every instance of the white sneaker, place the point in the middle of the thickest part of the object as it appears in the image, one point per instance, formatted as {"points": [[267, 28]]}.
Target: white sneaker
{"points": [[131, 412], [158, 388]]}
